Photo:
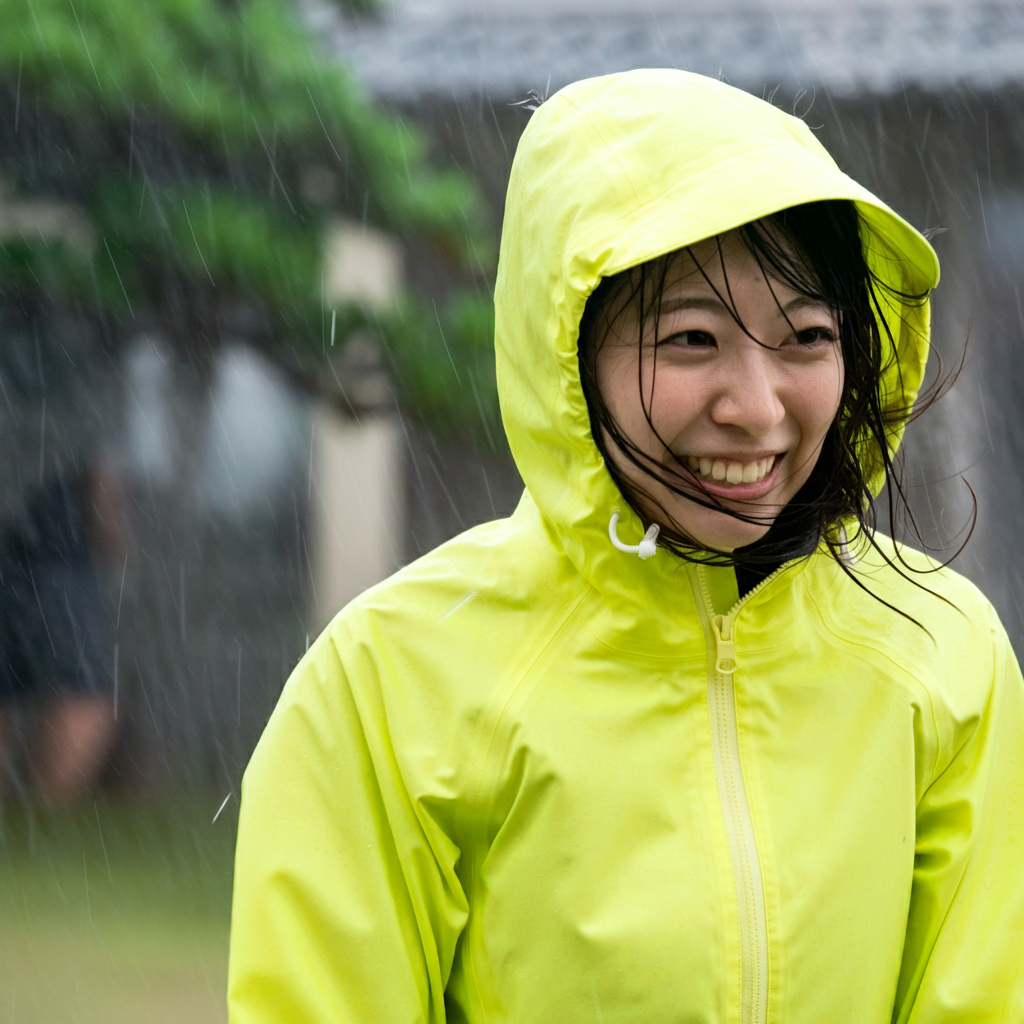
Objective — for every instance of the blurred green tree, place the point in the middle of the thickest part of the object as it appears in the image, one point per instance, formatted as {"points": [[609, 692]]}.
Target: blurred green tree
{"points": [[177, 161]]}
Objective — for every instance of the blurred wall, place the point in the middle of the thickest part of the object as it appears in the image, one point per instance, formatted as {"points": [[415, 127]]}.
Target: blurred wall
{"points": [[211, 602], [953, 161]]}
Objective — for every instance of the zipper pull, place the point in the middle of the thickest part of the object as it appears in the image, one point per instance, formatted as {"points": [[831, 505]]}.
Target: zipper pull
{"points": [[725, 662]]}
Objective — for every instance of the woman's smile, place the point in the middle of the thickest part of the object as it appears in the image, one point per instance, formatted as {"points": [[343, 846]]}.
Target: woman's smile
{"points": [[743, 478], [732, 471]]}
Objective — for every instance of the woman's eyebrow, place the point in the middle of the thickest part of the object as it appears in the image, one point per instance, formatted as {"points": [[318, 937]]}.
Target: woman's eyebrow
{"points": [[716, 305], [805, 302], [692, 302]]}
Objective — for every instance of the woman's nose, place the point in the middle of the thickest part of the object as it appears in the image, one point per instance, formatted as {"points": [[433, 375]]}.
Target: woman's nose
{"points": [[748, 395]]}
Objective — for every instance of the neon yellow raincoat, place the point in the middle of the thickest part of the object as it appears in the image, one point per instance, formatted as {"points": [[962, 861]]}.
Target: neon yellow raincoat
{"points": [[534, 779]]}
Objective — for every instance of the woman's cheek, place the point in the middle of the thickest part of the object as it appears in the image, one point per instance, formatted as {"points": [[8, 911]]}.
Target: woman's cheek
{"points": [[836, 381], [676, 402], [820, 396]]}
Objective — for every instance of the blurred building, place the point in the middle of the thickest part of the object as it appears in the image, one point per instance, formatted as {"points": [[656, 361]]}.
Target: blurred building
{"points": [[922, 101], [499, 50]]}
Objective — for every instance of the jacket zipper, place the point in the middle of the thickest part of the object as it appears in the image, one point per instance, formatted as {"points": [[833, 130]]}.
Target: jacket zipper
{"points": [[732, 793]]}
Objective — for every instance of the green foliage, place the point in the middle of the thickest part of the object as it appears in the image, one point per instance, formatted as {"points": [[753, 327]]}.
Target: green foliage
{"points": [[238, 81], [235, 241], [442, 360], [186, 129], [50, 266]]}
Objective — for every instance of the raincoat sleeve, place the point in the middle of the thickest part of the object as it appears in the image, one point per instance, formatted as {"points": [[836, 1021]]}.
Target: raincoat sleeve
{"points": [[963, 958], [346, 903]]}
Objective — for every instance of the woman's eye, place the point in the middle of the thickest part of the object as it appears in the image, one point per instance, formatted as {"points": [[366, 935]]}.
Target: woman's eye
{"points": [[815, 336], [691, 339]]}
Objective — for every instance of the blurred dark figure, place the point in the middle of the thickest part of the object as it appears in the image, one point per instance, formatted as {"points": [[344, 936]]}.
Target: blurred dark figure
{"points": [[56, 640], [62, 522]]}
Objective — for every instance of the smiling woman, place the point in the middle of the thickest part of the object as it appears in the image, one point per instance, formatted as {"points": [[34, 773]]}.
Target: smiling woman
{"points": [[767, 771]]}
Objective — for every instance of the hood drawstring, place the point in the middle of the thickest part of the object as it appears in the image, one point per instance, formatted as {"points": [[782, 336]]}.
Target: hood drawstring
{"points": [[645, 549]]}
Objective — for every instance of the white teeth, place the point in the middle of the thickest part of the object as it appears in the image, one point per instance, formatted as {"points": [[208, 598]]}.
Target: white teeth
{"points": [[731, 472]]}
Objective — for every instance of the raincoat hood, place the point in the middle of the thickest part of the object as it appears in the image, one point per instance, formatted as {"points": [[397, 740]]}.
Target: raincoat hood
{"points": [[612, 172]]}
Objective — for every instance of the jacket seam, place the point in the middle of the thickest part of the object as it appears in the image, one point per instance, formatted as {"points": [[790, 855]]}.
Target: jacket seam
{"points": [[967, 862], [479, 812], [903, 670], [989, 696]]}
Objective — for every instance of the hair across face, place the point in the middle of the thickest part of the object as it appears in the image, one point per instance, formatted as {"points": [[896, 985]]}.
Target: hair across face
{"points": [[742, 376]]}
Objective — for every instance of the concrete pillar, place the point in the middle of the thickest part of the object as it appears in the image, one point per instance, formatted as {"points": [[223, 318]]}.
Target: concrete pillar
{"points": [[356, 508], [357, 495]]}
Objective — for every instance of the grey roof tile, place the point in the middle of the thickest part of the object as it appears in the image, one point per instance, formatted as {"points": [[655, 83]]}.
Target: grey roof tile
{"points": [[877, 48]]}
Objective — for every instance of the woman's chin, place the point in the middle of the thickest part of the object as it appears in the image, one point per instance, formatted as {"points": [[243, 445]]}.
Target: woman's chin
{"points": [[718, 531]]}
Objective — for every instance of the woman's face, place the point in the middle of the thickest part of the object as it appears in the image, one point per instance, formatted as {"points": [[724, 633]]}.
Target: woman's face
{"points": [[743, 419]]}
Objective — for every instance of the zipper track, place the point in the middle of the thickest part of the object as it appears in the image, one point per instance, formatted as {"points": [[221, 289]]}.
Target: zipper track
{"points": [[732, 792]]}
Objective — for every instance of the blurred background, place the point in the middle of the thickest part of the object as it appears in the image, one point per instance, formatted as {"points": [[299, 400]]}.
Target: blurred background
{"points": [[247, 250]]}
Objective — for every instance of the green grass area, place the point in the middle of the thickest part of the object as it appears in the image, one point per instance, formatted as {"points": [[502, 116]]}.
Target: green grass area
{"points": [[115, 912]]}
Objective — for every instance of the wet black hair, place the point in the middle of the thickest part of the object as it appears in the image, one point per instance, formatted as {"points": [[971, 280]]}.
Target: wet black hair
{"points": [[815, 249]]}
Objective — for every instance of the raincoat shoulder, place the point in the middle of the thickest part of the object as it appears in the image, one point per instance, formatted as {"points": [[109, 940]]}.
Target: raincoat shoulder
{"points": [[378, 751], [966, 694]]}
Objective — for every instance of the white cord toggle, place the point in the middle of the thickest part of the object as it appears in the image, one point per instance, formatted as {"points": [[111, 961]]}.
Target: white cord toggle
{"points": [[645, 549]]}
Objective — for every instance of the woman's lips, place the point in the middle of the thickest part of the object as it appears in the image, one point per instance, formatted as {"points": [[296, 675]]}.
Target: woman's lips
{"points": [[742, 491]]}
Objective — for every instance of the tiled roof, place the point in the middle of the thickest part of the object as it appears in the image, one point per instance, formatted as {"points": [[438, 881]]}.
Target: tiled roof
{"points": [[435, 49]]}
